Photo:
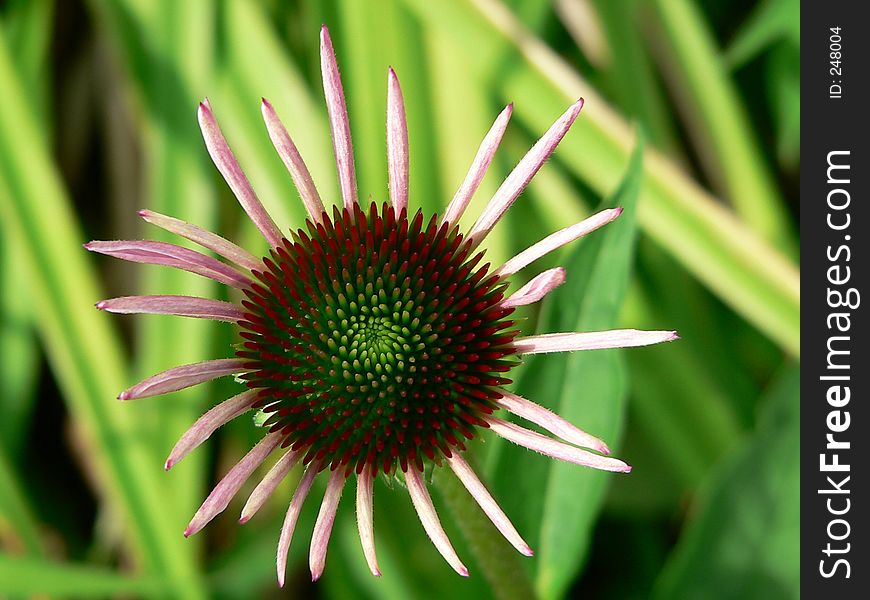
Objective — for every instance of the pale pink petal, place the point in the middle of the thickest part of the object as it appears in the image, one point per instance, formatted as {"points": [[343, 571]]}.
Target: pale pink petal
{"points": [[537, 288], [397, 143], [184, 376], [557, 240], [204, 238], [268, 484], [479, 165], [182, 306], [293, 161], [429, 518], [591, 340], [479, 492], [522, 174], [229, 486], [323, 525], [365, 518], [208, 423], [170, 255], [550, 421], [228, 166], [554, 448], [338, 122], [291, 518]]}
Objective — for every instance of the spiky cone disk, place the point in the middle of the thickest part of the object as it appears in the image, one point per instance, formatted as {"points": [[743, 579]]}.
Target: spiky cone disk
{"points": [[375, 340]]}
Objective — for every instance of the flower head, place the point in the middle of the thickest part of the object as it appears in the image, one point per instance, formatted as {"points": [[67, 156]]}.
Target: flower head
{"points": [[375, 339]]}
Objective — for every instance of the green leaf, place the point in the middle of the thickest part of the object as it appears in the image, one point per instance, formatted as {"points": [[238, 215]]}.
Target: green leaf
{"points": [[743, 540], [23, 576], [587, 388]]}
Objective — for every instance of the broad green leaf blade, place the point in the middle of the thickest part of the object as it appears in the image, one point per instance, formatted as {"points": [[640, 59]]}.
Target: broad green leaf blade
{"points": [[24, 576], [744, 538], [555, 504], [83, 350], [594, 387], [737, 265]]}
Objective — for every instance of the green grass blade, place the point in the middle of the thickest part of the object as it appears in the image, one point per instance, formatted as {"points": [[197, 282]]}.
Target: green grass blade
{"points": [[744, 536], [737, 265], [716, 117], [83, 350], [25, 576]]}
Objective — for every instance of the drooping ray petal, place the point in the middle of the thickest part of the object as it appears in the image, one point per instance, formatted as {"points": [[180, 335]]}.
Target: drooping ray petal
{"points": [[550, 421], [184, 376], [338, 121], [537, 288], [182, 306], [268, 484], [170, 255], [204, 238], [293, 161], [208, 423], [429, 518], [365, 518], [522, 174], [323, 525], [291, 517], [478, 168], [220, 496], [591, 340], [226, 163], [397, 143], [554, 448], [479, 492], [557, 240]]}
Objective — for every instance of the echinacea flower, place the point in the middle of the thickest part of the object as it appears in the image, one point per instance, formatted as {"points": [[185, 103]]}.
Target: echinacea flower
{"points": [[374, 340]]}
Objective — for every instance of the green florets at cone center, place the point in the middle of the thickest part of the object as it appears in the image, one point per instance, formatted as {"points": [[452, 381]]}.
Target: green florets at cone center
{"points": [[374, 340]]}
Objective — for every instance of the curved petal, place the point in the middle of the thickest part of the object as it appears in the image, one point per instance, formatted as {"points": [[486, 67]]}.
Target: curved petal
{"points": [[291, 518], [208, 423], [550, 421], [536, 289], [365, 518], [184, 376], [204, 238], [181, 306], [324, 523], [220, 496], [293, 161], [338, 122], [397, 143], [487, 503], [226, 163], [429, 518], [478, 168], [170, 255], [522, 174], [557, 240], [554, 448], [591, 340], [268, 484]]}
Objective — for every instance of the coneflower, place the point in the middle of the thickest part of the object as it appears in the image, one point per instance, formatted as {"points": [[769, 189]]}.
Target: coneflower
{"points": [[375, 340]]}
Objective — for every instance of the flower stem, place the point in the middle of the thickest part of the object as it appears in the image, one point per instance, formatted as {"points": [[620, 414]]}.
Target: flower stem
{"points": [[500, 563]]}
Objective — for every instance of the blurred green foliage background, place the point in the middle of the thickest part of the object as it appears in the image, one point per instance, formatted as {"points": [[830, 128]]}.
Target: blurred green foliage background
{"points": [[97, 120]]}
